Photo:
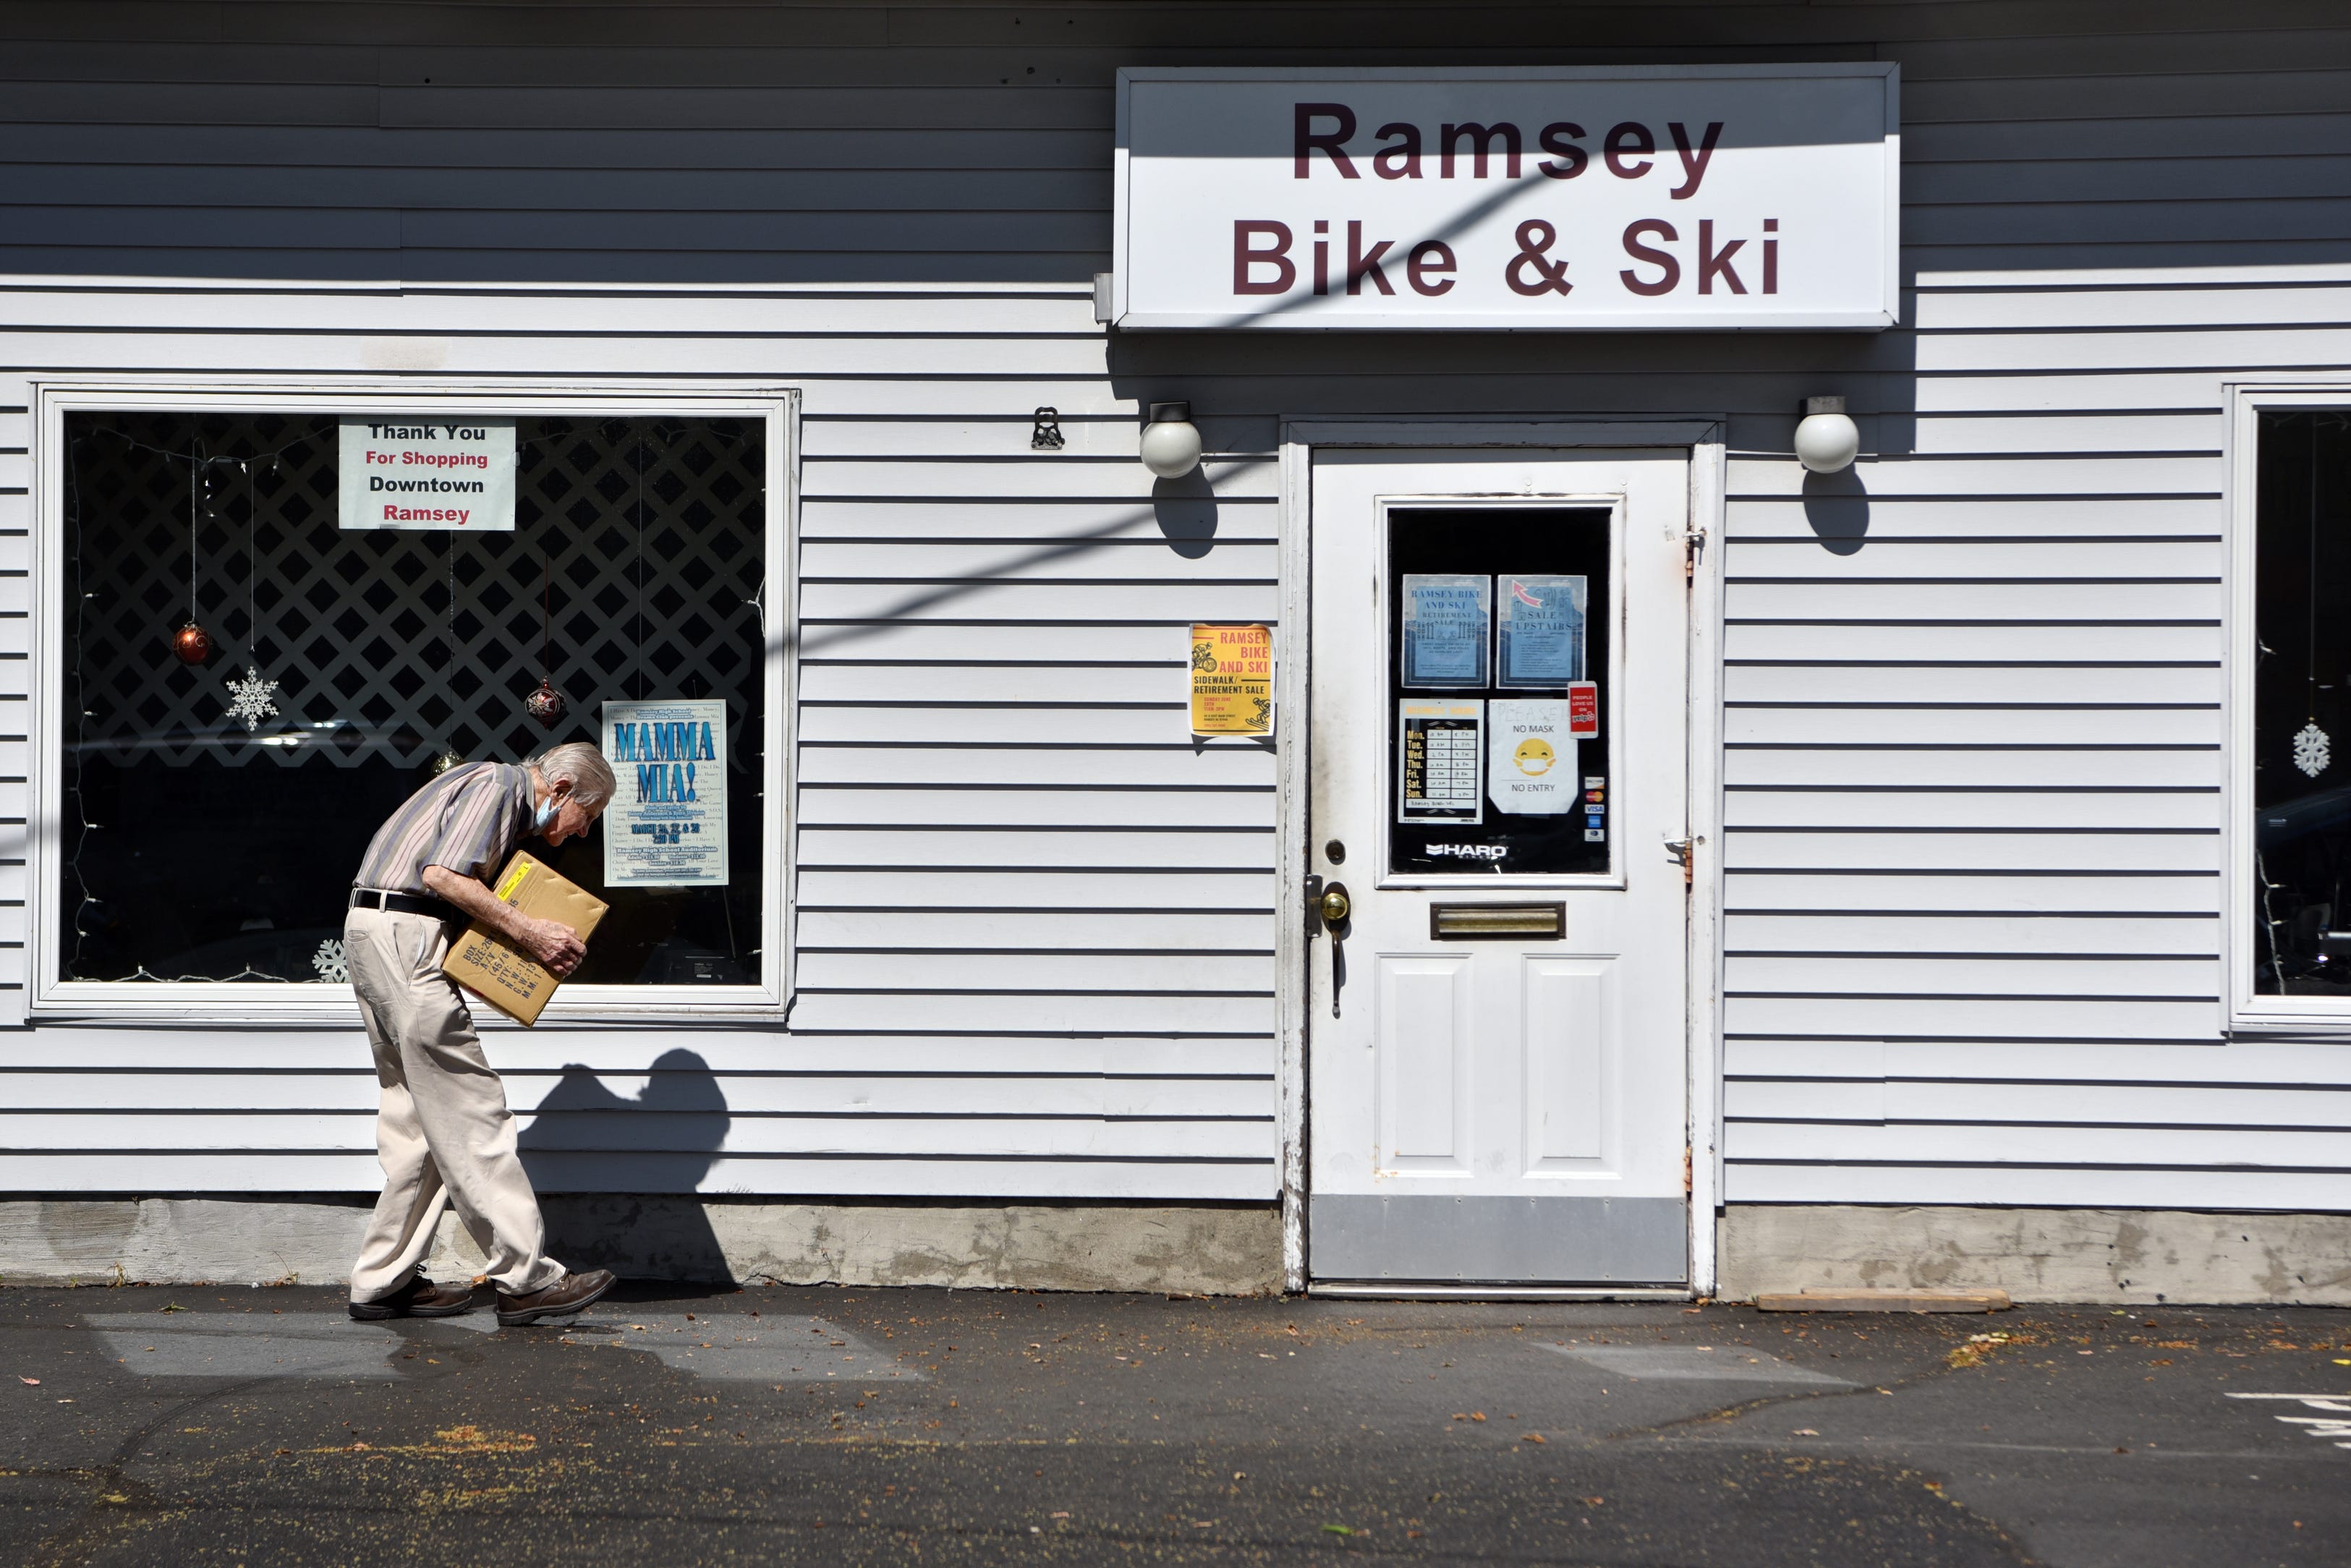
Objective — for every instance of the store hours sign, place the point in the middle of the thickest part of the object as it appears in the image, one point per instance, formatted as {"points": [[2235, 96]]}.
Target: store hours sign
{"points": [[1631, 198]]}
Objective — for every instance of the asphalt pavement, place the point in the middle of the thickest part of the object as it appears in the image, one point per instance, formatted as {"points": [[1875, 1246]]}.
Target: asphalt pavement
{"points": [[201, 1425]]}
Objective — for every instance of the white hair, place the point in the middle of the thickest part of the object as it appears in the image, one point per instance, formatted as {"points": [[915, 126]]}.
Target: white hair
{"points": [[582, 767]]}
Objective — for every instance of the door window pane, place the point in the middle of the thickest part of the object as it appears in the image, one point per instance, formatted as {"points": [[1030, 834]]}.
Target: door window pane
{"points": [[198, 849], [1498, 686], [2302, 722]]}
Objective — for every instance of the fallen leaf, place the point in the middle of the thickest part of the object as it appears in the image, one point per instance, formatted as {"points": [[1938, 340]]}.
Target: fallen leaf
{"points": [[172, 1307], [1477, 1414], [1337, 1529], [30, 1382], [1594, 1502], [1804, 1432], [1530, 1437]]}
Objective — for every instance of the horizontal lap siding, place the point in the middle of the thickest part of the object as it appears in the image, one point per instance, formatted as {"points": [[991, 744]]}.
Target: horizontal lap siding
{"points": [[1036, 926], [1972, 788], [1974, 704], [1973, 712]]}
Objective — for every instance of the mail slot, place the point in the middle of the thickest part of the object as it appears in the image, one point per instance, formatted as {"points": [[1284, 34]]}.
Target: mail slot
{"points": [[1494, 922]]}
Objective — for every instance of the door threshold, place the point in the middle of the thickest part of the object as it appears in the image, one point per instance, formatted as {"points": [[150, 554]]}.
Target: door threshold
{"points": [[1362, 1289]]}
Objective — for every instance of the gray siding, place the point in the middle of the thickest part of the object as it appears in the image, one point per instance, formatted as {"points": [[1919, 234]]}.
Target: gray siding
{"points": [[1974, 714]]}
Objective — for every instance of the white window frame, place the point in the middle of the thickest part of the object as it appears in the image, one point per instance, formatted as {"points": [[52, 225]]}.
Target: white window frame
{"points": [[54, 999], [2247, 1010]]}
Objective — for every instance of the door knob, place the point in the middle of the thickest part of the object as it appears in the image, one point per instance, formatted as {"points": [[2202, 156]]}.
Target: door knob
{"points": [[1334, 906]]}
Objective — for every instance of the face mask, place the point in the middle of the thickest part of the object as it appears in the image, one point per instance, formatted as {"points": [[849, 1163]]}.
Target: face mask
{"points": [[546, 813]]}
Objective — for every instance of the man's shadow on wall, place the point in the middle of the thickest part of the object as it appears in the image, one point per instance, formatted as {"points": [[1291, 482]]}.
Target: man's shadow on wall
{"points": [[636, 1165]]}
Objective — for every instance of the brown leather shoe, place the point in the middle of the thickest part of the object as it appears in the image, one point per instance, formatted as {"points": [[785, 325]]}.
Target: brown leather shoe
{"points": [[563, 1299], [420, 1298]]}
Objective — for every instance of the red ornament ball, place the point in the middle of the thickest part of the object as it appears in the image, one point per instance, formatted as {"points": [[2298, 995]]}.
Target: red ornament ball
{"points": [[547, 706], [193, 643]]}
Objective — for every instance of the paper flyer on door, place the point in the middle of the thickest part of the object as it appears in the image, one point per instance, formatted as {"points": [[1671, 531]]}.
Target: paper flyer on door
{"points": [[1447, 621], [667, 826], [1439, 744], [1530, 757], [1538, 634]]}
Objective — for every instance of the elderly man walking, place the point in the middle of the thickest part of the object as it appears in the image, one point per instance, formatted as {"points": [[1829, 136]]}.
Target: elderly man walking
{"points": [[444, 1134]]}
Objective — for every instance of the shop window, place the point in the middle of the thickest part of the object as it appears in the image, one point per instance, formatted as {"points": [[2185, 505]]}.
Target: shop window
{"points": [[212, 809], [1498, 652], [2300, 746]]}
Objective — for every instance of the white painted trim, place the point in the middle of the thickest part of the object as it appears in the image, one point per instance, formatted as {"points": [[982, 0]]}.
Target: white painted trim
{"points": [[51, 1000], [1704, 436], [1293, 758], [2241, 1009], [2092, 280], [1708, 488]]}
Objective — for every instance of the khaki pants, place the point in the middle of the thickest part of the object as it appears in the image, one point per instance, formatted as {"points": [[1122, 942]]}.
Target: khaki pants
{"points": [[442, 1130]]}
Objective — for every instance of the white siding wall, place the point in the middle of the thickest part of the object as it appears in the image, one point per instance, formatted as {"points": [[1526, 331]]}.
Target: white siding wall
{"points": [[1035, 921], [1974, 874]]}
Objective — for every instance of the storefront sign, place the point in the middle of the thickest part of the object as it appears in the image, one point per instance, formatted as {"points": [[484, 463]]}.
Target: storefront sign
{"points": [[398, 471], [1614, 197], [667, 826], [1232, 680]]}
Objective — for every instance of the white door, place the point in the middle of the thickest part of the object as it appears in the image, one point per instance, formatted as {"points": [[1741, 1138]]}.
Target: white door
{"points": [[1497, 1065]]}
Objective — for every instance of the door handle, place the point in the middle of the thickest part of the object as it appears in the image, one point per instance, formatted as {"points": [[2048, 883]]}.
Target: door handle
{"points": [[1333, 908]]}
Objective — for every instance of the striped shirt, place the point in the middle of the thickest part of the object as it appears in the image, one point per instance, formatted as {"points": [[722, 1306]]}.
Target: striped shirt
{"points": [[467, 819]]}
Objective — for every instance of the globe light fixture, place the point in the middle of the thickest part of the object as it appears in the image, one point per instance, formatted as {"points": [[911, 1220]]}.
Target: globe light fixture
{"points": [[1171, 442], [1827, 440]]}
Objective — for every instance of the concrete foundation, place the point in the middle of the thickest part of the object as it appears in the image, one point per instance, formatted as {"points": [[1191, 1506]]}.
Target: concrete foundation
{"points": [[1204, 1249], [2086, 1254]]}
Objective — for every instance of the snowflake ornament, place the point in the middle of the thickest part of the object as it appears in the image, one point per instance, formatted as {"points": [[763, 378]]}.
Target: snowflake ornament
{"points": [[330, 962], [249, 698], [2310, 750]]}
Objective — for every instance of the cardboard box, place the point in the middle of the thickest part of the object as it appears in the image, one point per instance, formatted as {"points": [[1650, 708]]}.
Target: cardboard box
{"points": [[492, 969]]}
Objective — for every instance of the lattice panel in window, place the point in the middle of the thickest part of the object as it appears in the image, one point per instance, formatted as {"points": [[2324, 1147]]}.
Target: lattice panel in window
{"points": [[646, 537]]}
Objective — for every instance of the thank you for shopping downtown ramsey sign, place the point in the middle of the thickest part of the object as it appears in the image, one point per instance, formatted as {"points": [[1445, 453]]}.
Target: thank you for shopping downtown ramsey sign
{"points": [[1633, 198]]}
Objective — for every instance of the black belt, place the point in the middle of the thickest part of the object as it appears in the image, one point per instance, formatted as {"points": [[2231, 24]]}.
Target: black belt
{"points": [[404, 903]]}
